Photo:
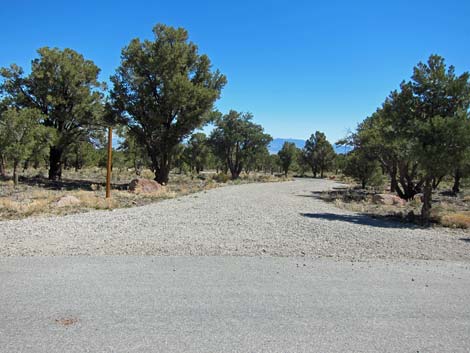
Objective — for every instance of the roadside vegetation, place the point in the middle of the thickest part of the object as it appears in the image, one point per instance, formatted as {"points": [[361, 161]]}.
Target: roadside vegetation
{"points": [[84, 190], [410, 159]]}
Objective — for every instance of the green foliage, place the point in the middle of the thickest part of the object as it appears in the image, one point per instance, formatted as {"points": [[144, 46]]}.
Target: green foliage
{"points": [[164, 90], [422, 132], [461, 170], [274, 162], [256, 160], [221, 178], [287, 156], [82, 154], [20, 132], [134, 154], [237, 140], [302, 162], [339, 163], [360, 166], [318, 153], [197, 151], [64, 87]]}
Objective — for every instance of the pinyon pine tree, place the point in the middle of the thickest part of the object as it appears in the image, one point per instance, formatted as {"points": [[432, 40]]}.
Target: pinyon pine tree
{"points": [[164, 90]]}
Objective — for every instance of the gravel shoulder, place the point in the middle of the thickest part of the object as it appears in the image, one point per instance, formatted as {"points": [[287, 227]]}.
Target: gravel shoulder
{"points": [[271, 219]]}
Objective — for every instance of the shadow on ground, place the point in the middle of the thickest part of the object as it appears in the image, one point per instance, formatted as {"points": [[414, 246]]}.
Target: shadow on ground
{"points": [[342, 193], [467, 240], [68, 184], [377, 221]]}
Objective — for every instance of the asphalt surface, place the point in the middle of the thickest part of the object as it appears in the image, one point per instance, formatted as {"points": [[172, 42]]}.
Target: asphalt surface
{"points": [[232, 304]]}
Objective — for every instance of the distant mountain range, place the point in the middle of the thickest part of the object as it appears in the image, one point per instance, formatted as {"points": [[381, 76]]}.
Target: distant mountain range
{"points": [[276, 145]]}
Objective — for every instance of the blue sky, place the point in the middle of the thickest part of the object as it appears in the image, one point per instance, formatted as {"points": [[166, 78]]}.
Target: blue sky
{"points": [[298, 66]]}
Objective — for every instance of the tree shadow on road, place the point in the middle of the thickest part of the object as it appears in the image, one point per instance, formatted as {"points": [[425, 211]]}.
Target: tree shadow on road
{"points": [[69, 184], [362, 219]]}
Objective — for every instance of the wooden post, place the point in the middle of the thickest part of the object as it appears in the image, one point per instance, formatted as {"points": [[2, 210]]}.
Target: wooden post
{"points": [[109, 164]]}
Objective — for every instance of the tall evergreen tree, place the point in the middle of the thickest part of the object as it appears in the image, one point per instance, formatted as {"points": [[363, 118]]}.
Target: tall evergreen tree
{"points": [[20, 132], [164, 90], [64, 87], [236, 139], [318, 153], [287, 156]]}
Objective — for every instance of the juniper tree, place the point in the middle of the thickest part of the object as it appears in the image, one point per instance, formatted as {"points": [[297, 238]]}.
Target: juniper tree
{"points": [[361, 167], [287, 156], [20, 133], [197, 151], [236, 139], [422, 131], [64, 87], [318, 153], [163, 90]]}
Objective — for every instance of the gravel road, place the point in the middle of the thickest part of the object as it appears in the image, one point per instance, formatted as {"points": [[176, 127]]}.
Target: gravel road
{"points": [[273, 219]]}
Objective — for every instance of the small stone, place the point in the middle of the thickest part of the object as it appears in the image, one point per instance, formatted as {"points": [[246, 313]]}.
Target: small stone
{"points": [[388, 199], [66, 201]]}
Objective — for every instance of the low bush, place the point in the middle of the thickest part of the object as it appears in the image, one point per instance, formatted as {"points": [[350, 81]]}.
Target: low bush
{"points": [[456, 220], [221, 178]]}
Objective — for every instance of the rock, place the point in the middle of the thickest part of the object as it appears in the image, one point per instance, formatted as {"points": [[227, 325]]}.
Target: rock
{"points": [[144, 186], [66, 201], [419, 197], [388, 199]]}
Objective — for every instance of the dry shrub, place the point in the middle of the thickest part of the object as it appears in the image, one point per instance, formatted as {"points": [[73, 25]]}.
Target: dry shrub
{"points": [[221, 178], [91, 200], [23, 208], [21, 201], [415, 203], [456, 220]]}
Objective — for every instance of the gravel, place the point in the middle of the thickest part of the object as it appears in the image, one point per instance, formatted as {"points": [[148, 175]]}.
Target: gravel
{"points": [[272, 219]]}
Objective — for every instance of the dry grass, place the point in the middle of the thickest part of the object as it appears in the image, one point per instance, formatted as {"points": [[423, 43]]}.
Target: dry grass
{"points": [[456, 220], [37, 197]]}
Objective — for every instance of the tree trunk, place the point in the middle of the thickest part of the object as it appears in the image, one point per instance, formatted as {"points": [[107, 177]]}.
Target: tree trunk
{"points": [[15, 172], [427, 198], [364, 183], [457, 177], [436, 181], [55, 163], [393, 178], [162, 176], [321, 173], [236, 171], [2, 166], [235, 175], [163, 172]]}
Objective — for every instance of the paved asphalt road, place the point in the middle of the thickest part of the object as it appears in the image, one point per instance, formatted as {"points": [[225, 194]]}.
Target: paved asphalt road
{"points": [[232, 304]]}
